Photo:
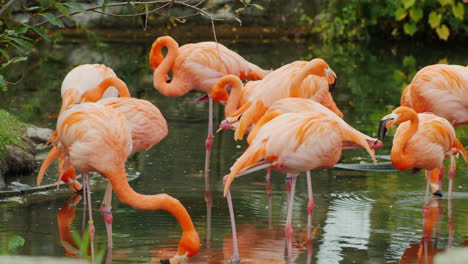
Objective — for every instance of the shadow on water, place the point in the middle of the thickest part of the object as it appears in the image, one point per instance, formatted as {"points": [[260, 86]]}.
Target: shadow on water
{"points": [[359, 216]]}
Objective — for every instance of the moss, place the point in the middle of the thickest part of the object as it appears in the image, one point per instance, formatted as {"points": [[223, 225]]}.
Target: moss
{"points": [[12, 131]]}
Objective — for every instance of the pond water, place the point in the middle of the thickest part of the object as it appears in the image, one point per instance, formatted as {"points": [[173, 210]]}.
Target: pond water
{"points": [[359, 216]]}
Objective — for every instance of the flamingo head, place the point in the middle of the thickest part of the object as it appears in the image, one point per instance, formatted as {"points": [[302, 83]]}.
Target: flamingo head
{"points": [[327, 72], [189, 244], [399, 115], [220, 94]]}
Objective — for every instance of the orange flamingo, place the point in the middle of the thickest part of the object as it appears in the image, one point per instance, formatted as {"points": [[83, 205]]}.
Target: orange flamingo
{"points": [[65, 216], [84, 83], [293, 143], [93, 137], [423, 142], [197, 66], [440, 89], [303, 79]]}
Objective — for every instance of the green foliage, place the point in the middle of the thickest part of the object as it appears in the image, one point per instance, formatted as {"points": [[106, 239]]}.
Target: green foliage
{"points": [[83, 242], [362, 19], [11, 131], [15, 242]]}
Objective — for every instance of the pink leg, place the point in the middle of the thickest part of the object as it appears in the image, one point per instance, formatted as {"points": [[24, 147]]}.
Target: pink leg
{"points": [[441, 176], [92, 229], [106, 212], [451, 227], [289, 229], [208, 145], [268, 183], [427, 196], [235, 250], [310, 204], [453, 168]]}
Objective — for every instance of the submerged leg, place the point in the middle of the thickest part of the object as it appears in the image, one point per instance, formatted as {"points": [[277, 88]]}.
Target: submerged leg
{"points": [[289, 229], [92, 230], [235, 249], [441, 176], [310, 204], [453, 168], [427, 196], [270, 195], [106, 212]]}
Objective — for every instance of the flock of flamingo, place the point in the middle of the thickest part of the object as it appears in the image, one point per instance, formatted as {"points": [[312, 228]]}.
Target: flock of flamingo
{"points": [[293, 126]]}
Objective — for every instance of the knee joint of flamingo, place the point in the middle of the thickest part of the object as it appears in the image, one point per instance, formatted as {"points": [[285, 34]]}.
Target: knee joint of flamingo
{"points": [[310, 206], [106, 214], [289, 231], [209, 142]]}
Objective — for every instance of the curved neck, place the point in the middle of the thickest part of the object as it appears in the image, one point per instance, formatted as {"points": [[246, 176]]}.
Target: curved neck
{"points": [[400, 158], [69, 97], [177, 86], [219, 93], [96, 93], [127, 195], [314, 67]]}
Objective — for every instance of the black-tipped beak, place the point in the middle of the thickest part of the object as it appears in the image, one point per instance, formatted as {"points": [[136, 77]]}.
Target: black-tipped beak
{"points": [[164, 261], [437, 193], [331, 86], [383, 128]]}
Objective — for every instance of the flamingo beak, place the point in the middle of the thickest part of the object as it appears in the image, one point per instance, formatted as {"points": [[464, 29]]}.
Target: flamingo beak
{"points": [[331, 79], [386, 122]]}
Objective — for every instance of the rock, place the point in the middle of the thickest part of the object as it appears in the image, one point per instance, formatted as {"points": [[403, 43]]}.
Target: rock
{"points": [[18, 161], [39, 135]]}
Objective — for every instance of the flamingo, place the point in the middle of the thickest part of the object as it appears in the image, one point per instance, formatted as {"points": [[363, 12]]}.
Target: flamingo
{"points": [[293, 143], [440, 89], [84, 83], [197, 66], [93, 137], [312, 80], [423, 142]]}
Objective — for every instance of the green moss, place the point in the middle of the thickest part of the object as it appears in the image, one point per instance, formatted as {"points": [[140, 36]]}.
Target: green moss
{"points": [[11, 131]]}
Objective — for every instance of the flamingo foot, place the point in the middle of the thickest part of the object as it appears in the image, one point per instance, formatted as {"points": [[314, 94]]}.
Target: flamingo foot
{"points": [[289, 232], [310, 207]]}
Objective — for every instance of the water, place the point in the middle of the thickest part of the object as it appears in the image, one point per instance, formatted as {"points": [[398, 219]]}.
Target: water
{"points": [[359, 217]]}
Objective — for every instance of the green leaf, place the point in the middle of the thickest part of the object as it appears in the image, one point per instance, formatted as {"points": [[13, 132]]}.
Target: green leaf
{"points": [[409, 62], [23, 43], [257, 6], [15, 242], [52, 19], [443, 32], [76, 6], [416, 14], [410, 28], [4, 54], [400, 14], [104, 5], [408, 3], [458, 11], [62, 9], [40, 32], [434, 19], [21, 30], [2, 83], [446, 2]]}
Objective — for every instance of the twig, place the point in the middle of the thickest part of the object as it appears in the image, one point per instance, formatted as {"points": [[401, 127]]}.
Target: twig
{"points": [[11, 2]]}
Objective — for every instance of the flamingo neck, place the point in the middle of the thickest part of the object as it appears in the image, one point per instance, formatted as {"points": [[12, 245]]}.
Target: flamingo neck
{"points": [[401, 159], [312, 67], [69, 97], [127, 195], [233, 100], [96, 93], [178, 86]]}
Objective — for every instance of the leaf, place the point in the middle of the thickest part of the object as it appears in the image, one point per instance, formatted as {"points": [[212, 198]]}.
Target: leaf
{"points": [[416, 14], [257, 6], [104, 5], [20, 30], [443, 32], [62, 9], [76, 6], [434, 19], [40, 32], [446, 2], [409, 62], [410, 28], [52, 19], [15, 242], [408, 3], [458, 11], [4, 54], [23, 43], [400, 14]]}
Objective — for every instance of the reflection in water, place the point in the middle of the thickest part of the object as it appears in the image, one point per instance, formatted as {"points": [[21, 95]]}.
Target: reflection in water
{"points": [[65, 216], [347, 225]]}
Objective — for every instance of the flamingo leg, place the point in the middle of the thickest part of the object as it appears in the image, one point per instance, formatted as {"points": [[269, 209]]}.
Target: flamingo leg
{"points": [[451, 227], [86, 181], [106, 212], [208, 145], [427, 196], [270, 195], [289, 229], [441, 176], [85, 204], [453, 168], [310, 204], [235, 248]]}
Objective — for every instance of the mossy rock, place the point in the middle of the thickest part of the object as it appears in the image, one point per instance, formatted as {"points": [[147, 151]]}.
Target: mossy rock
{"points": [[16, 149]]}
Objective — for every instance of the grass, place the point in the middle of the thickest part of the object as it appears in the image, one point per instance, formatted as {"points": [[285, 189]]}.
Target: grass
{"points": [[11, 132]]}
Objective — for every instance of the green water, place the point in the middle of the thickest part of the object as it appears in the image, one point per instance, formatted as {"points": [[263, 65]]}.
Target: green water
{"points": [[359, 217]]}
